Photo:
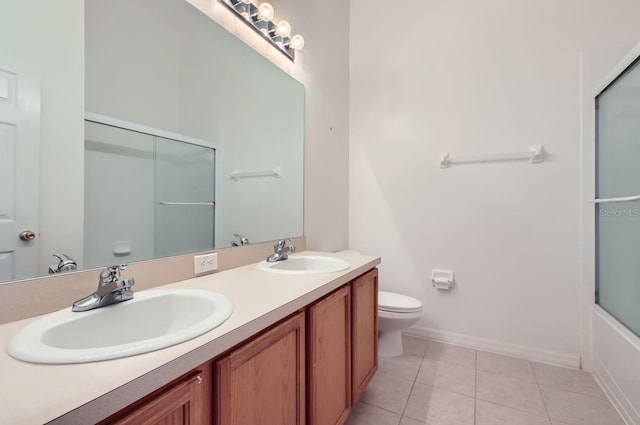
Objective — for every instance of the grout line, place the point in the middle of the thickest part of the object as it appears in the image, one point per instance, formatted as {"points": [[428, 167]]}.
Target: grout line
{"points": [[475, 392], [514, 409], [544, 403], [413, 384], [572, 392], [378, 407]]}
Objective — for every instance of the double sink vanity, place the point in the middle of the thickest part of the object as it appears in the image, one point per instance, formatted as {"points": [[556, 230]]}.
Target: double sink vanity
{"points": [[288, 342]]}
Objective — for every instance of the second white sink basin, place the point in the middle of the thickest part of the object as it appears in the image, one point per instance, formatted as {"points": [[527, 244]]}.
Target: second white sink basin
{"points": [[152, 320], [305, 264]]}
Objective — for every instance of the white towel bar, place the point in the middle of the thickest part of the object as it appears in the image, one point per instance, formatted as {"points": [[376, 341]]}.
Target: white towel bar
{"points": [[236, 175], [190, 204], [535, 155], [622, 199]]}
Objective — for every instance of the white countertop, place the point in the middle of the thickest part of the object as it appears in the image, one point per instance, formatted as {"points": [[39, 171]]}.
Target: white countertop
{"points": [[86, 393]]}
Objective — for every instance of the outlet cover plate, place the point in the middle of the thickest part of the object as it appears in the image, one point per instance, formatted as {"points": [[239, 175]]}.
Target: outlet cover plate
{"points": [[205, 263]]}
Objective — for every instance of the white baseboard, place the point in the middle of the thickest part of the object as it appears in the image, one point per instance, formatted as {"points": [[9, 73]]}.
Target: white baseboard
{"points": [[622, 404], [500, 347]]}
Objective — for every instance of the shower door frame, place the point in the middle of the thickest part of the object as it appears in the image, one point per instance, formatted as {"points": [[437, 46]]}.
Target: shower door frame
{"points": [[605, 341], [139, 128]]}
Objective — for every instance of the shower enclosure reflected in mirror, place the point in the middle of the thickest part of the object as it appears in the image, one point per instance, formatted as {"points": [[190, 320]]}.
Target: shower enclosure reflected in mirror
{"points": [[164, 183], [156, 64]]}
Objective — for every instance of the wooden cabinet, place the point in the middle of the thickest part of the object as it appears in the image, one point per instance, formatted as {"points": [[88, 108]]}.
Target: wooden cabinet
{"points": [[342, 349], [364, 346], [329, 359], [262, 382], [183, 402]]}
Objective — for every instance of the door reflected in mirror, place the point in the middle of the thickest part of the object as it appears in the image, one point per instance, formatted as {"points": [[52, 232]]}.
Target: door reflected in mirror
{"points": [[154, 64]]}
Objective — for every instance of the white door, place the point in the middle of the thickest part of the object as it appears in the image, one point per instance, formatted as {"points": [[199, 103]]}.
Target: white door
{"points": [[19, 171]]}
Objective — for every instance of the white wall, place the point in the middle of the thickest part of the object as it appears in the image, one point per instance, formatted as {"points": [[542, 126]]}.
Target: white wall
{"points": [[325, 58], [470, 78]]}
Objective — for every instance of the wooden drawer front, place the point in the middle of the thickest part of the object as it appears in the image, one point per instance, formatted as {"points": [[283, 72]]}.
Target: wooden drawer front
{"points": [[179, 405]]}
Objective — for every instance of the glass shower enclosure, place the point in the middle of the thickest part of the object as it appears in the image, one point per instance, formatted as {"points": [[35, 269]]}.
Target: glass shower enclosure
{"points": [[618, 198], [146, 195]]}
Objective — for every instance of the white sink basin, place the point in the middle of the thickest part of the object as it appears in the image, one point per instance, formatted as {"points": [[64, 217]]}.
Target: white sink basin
{"points": [[150, 321], [305, 264]]}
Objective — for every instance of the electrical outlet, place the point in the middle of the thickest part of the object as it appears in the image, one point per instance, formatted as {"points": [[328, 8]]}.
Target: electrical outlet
{"points": [[205, 263]]}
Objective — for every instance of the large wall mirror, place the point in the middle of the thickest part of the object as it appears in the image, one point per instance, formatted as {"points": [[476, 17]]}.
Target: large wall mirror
{"points": [[139, 129]]}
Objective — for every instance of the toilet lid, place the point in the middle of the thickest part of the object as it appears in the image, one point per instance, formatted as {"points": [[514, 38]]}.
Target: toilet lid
{"points": [[390, 301]]}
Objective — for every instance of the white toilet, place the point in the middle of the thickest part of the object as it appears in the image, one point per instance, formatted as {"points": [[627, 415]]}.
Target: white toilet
{"points": [[395, 313]]}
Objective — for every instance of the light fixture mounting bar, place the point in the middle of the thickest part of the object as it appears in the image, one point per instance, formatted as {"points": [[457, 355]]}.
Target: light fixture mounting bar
{"points": [[248, 13]]}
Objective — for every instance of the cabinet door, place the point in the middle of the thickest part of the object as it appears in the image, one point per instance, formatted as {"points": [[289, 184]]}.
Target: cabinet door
{"points": [[263, 381], [329, 354], [364, 308], [180, 404]]}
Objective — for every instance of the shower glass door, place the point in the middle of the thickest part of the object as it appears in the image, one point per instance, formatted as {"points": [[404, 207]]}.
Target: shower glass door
{"points": [[184, 193], [617, 186]]}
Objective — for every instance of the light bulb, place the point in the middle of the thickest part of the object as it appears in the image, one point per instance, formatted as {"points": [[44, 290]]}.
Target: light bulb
{"points": [[283, 29], [297, 42], [265, 12]]}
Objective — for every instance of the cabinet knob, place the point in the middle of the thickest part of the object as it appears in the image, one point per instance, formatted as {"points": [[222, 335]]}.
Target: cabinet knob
{"points": [[199, 379]]}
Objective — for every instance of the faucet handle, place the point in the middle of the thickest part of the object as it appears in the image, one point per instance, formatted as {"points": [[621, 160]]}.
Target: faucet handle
{"points": [[127, 283], [65, 264], [111, 273], [280, 244], [241, 240]]}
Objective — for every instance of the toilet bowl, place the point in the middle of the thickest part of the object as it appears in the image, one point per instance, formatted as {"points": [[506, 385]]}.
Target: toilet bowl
{"points": [[395, 313]]}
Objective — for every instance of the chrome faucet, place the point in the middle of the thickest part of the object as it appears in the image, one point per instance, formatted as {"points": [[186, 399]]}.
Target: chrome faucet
{"points": [[111, 290], [281, 251], [65, 264], [240, 240]]}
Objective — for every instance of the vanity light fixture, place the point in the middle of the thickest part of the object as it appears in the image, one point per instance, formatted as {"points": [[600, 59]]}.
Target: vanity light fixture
{"points": [[260, 18]]}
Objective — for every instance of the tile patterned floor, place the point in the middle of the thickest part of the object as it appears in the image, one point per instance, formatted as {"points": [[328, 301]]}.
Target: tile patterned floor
{"points": [[441, 384]]}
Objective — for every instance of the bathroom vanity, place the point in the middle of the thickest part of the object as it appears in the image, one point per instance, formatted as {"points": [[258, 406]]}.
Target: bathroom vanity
{"points": [[297, 349]]}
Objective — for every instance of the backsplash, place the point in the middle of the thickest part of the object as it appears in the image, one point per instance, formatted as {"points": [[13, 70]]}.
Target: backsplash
{"points": [[42, 295]]}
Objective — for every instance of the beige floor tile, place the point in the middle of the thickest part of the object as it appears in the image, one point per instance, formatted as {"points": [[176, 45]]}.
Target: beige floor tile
{"points": [[449, 377], [573, 380], [415, 346], [405, 366], [439, 407], [492, 414], [453, 354], [510, 392], [577, 409], [408, 421], [505, 365], [388, 392], [366, 414]]}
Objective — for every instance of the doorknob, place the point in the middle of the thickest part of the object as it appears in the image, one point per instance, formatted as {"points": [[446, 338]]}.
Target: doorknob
{"points": [[27, 235]]}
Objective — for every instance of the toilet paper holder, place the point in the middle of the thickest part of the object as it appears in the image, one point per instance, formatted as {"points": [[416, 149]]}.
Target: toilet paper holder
{"points": [[442, 279]]}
